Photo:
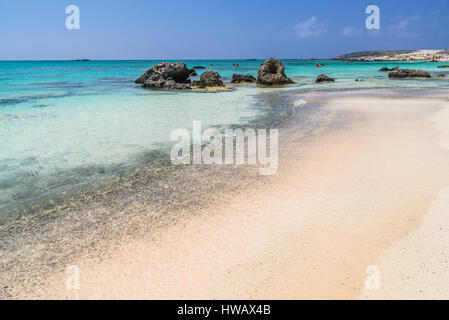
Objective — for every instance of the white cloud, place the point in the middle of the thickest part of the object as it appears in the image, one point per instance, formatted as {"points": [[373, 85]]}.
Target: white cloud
{"points": [[310, 28], [405, 28], [351, 31], [405, 23], [374, 33]]}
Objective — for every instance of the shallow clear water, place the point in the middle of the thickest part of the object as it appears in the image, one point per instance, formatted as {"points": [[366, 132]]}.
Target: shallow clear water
{"points": [[65, 122]]}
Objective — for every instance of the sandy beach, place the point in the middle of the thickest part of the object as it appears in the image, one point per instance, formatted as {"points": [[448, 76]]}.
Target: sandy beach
{"points": [[224, 158], [371, 192]]}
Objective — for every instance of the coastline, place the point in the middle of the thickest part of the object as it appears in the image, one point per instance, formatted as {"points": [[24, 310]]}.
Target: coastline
{"points": [[338, 202]]}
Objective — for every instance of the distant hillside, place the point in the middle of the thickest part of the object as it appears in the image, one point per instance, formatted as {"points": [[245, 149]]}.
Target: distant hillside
{"points": [[375, 53]]}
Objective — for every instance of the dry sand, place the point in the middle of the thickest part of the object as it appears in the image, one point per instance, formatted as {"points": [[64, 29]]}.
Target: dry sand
{"points": [[337, 205]]}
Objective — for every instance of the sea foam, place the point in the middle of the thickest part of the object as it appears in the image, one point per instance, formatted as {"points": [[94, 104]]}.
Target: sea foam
{"points": [[299, 103]]}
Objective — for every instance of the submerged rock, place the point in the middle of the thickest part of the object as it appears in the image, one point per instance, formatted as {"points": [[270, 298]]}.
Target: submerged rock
{"points": [[271, 72], [409, 73], [241, 78], [199, 67], [166, 75], [443, 66], [323, 78], [389, 69]]}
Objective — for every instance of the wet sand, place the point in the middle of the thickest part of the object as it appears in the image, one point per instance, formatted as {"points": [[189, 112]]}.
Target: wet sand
{"points": [[340, 202]]}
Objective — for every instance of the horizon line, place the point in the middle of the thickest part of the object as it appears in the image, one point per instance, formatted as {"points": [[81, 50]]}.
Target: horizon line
{"points": [[189, 59]]}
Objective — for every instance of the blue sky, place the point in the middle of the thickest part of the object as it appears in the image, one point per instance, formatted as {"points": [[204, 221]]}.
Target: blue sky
{"points": [[195, 29]]}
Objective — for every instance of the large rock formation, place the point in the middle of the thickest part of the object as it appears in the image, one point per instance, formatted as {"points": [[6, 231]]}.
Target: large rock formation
{"points": [[208, 79], [409, 73], [271, 72], [323, 78], [166, 75], [242, 78]]}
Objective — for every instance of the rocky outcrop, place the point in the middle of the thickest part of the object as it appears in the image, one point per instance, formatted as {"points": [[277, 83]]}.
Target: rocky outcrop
{"points": [[385, 69], [323, 78], [242, 78], [271, 73], [211, 79], [199, 67], [208, 79], [409, 73], [166, 75]]}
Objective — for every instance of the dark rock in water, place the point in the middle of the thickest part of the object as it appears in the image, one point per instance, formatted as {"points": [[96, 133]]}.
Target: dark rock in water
{"points": [[211, 79], [166, 75], [81, 60], [441, 76], [388, 69], [443, 66], [271, 72], [239, 78], [193, 73], [199, 67], [409, 73], [323, 78]]}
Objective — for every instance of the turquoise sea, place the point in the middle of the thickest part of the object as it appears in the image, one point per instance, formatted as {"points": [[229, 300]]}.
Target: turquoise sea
{"points": [[66, 123]]}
